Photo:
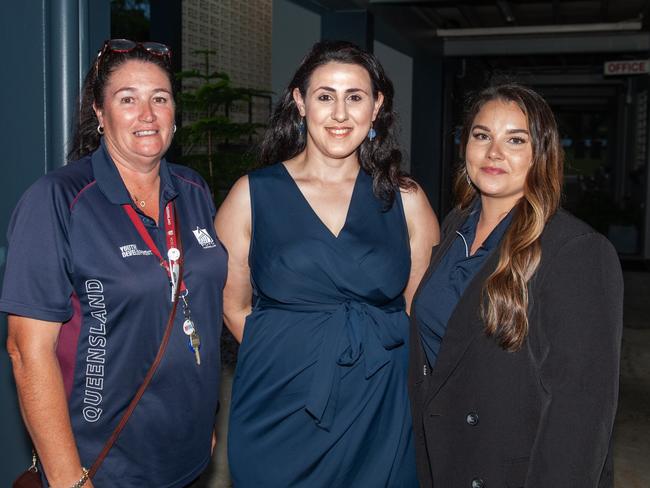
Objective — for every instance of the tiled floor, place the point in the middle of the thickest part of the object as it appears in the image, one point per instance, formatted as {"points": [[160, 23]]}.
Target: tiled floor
{"points": [[632, 428]]}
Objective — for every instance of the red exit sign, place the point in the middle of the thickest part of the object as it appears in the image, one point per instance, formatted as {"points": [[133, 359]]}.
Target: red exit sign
{"points": [[636, 67]]}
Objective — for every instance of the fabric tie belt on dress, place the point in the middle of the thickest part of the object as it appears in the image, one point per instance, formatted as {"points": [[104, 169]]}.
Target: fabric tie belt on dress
{"points": [[354, 329]]}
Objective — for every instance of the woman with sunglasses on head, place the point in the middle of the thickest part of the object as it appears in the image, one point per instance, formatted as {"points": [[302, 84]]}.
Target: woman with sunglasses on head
{"points": [[332, 238], [101, 253], [516, 326]]}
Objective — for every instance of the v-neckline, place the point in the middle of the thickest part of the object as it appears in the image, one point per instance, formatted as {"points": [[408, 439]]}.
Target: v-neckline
{"points": [[315, 214]]}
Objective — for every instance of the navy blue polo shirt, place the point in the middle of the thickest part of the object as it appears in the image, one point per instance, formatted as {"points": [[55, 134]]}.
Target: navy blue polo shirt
{"points": [[75, 257], [439, 295]]}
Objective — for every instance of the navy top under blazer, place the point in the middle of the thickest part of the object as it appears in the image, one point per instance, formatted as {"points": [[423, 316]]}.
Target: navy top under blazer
{"points": [[538, 417], [440, 292]]}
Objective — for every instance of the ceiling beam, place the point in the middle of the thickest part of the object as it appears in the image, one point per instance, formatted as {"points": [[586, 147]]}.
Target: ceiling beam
{"points": [[541, 29], [430, 3], [604, 10], [645, 15], [615, 42], [506, 11], [556, 11], [430, 16], [468, 14]]}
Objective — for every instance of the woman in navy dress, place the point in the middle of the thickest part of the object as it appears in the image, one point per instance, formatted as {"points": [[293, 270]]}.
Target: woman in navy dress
{"points": [[332, 238]]}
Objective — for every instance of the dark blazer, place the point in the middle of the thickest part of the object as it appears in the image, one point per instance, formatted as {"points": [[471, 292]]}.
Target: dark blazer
{"points": [[540, 417]]}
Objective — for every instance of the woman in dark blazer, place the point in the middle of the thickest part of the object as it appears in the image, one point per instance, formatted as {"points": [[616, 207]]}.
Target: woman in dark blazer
{"points": [[516, 326]]}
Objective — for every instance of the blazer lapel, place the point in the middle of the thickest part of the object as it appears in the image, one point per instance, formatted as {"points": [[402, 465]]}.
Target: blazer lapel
{"points": [[464, 326]]}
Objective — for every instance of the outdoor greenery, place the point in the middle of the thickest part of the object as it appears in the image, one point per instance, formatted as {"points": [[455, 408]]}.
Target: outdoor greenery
{"points": [[208, 139], [214, 139]]}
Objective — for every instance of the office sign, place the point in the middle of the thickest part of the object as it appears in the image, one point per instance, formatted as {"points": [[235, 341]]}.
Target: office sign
{"points": [[635, 67]]}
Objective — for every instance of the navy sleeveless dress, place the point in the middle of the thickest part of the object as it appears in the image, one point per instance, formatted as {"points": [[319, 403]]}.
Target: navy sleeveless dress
{"points": [[319, 396]]}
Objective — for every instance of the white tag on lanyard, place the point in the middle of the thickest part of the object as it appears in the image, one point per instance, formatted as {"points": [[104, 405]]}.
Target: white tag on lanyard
{"points": [[173, 254]]}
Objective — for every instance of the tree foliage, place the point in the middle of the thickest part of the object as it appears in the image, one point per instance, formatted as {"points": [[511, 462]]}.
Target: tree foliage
{"points": [[211, 96]]}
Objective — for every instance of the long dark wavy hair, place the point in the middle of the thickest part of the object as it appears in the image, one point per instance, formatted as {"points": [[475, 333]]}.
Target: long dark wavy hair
{"points": [[86, 138], [504, 309], [380, 158]]}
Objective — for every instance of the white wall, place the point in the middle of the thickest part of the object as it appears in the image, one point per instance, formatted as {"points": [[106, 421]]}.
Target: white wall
{"points": [[295, 30], [399, 68]]}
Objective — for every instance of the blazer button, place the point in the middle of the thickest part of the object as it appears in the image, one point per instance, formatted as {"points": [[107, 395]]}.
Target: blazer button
{"points": [[472, 419], [477, 483]]}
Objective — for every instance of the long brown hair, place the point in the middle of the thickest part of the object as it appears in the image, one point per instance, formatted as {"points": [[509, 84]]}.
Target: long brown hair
{"points": [[505, 304]]}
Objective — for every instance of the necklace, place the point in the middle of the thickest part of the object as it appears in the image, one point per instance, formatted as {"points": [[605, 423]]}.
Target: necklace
{"points": [[142, 201]]}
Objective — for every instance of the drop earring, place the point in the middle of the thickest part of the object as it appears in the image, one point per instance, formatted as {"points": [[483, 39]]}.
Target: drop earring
{"points": [[372, 133], [301, 125], [100, 130]]}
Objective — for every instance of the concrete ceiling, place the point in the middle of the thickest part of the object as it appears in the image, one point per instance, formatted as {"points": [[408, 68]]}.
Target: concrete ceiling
{"points": [[436, 18], [485, 27], [446, 14]]}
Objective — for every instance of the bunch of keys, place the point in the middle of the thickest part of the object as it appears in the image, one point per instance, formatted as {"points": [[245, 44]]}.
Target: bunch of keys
{"points": [[195, 343], [190, 330]]}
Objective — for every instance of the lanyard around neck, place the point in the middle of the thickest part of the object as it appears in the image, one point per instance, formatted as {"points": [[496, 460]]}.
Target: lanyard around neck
{"points": [[172, 266], [172, 235]]}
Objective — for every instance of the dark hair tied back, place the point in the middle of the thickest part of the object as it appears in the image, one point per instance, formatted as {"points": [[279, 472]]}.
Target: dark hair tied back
{"points": [[381, 157], [86, 137]]}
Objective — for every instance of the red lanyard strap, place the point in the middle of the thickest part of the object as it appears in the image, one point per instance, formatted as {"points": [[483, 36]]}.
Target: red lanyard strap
{"points": [[172, 235]]}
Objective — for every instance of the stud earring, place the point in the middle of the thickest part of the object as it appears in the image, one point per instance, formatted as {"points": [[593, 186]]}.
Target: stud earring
{"points": [[372, 133]]}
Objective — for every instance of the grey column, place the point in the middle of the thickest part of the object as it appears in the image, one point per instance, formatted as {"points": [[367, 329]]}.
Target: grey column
{"points": [[62, 73]]}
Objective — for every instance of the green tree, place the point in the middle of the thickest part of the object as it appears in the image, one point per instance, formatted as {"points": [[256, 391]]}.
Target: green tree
{"points": [[212, 97]]}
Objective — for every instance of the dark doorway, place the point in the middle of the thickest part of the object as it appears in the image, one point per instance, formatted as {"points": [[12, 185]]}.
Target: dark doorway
{"points": [[603, 125]]}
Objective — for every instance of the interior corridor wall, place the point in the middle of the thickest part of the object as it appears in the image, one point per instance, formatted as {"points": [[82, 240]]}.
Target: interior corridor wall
{"points": [[399, 68], [295, 29]]}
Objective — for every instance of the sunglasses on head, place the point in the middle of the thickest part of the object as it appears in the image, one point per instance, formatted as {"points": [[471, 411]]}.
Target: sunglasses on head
{"points": [[126, 45]]}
